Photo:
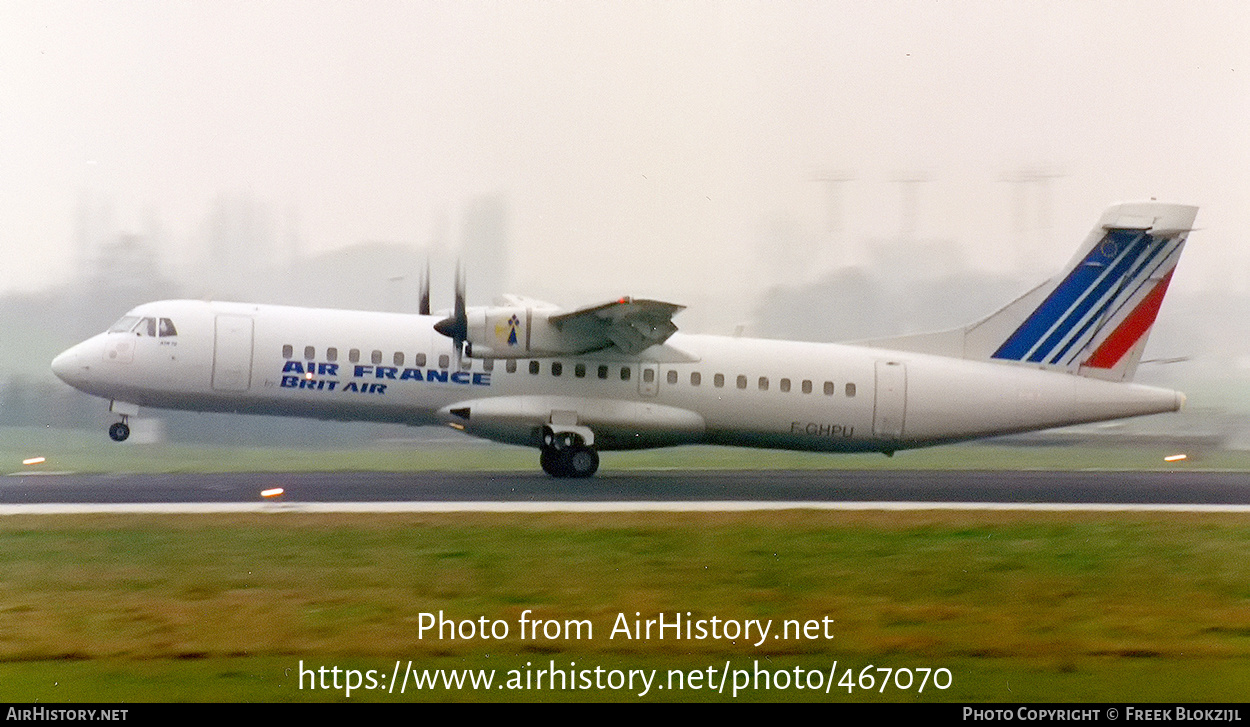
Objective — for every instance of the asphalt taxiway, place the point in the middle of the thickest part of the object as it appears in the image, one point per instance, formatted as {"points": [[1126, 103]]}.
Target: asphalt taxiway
{"points": [[770, 488]]}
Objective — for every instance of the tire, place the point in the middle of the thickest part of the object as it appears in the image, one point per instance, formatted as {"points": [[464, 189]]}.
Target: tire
{"points": [[553, 462], [582, 462], [119, 432]]}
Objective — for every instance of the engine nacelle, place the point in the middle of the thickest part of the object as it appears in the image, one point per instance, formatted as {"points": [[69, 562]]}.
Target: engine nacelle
{"points": [[522, 332]]}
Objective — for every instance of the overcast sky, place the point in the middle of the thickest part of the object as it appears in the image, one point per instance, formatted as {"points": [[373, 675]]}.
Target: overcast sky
{"points": [[644, 147]]}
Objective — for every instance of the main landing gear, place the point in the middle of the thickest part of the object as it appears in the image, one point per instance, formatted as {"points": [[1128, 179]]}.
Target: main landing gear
{"points": [[120, 431], [565, 454]]}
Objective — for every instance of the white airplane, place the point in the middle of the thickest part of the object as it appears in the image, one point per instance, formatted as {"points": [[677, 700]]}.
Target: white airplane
{"points": [[618, 375]]}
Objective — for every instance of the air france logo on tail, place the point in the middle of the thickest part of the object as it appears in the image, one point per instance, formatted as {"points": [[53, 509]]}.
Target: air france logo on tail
{"points": [[1104, 306]]}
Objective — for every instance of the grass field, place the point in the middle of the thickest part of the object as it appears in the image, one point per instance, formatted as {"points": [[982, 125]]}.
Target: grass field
{"points": [[1017, 607], [1037, 607]]}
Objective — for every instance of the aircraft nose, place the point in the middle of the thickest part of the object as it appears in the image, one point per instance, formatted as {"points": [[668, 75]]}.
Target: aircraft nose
{"points": [[68, 365]]}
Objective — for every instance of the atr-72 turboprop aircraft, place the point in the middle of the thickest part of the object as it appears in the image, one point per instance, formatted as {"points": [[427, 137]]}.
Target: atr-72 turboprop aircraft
{"points": [[619, 376]]}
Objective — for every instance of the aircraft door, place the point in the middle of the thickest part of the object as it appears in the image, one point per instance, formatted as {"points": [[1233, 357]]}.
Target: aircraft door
{"points": [[232, 353], [890, 402], [648, 379]]}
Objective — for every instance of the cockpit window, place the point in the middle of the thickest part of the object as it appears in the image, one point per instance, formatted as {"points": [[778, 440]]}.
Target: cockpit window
{"points": [[146, 327], [124, 325]]}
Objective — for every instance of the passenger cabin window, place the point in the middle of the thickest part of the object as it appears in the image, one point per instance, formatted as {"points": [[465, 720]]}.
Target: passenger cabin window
{"points": [[332, 354], [354, 355], [398, 358], [167, 328], [420, 360], [444, 360], [376, 357], [603, 372], [648, 375], [579, 370], [695, 378], [850, 389], [534, 367], [785, 385], [288, 351], [310, 353], [510, 367], [624, 373], [828, 388], [557, 368], [672, 376], [488, 364], [718, 381], [807, 386], [763, 383], [742, 381]]}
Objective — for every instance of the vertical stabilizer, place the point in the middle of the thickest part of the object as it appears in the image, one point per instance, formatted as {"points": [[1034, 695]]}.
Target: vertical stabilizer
{"points": [[1093, 318]]}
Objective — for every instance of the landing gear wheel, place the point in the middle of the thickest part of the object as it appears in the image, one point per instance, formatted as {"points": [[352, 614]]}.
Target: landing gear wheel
{"points": [[581, 462], [575, 462], [552, 461], [119, 431]]}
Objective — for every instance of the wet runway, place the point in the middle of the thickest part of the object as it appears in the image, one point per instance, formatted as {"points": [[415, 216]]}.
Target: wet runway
{"points": [[772, 487]]}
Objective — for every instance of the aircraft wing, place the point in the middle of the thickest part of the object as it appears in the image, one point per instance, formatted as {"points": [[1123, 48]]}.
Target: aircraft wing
{"points": [[523, 301], [631, 324]]}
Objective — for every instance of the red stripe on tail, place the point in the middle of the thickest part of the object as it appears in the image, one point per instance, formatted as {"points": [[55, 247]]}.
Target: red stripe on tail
{"points": [[1131, 329]]}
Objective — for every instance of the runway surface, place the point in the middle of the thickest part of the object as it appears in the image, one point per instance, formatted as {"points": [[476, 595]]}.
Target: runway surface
{"points": [[768, 488]]}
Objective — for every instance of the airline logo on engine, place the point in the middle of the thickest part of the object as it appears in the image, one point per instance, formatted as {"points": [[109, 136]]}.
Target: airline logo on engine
{"points": [[512, 325]]}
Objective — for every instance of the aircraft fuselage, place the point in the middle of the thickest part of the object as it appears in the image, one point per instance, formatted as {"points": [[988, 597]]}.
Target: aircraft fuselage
{"points": [[388, 367]]}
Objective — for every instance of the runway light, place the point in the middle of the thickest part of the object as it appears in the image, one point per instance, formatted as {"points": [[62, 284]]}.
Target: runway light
{"points": [[274, 492], [35, 460], [1175, 458]]}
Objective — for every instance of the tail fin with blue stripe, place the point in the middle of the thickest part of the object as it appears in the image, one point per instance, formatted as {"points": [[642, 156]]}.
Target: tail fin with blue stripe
{"points": [[1092, 319]]}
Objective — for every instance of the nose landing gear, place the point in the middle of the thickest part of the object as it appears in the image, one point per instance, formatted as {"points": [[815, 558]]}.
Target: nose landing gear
{"points": [[120, 431]]}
